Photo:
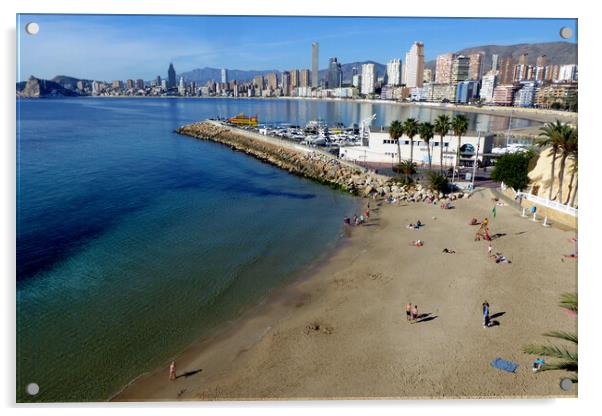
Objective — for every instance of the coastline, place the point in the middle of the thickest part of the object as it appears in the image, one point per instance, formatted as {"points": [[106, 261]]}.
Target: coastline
{"points": [[339, 332]]}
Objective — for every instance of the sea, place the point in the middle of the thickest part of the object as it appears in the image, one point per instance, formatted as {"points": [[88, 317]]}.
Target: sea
{"points": [[133, 242]]}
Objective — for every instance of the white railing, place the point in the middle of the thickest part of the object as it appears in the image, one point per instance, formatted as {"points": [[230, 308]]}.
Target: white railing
{"points": [[550, 204]]}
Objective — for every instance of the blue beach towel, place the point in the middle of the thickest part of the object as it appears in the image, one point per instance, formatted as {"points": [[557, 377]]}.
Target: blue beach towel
{"points": [[505, 365]]}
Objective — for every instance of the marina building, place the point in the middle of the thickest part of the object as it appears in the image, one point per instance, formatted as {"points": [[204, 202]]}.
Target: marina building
{"points": [[382, 149], [414, 66]]}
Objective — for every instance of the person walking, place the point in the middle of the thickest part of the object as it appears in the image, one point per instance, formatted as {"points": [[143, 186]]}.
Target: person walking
{"points": [[172, 371], [409, 311], [414, 313], [486, 319]]}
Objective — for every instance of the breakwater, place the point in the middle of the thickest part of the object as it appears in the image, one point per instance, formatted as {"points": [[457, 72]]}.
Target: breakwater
{"points": [[312, 163]]}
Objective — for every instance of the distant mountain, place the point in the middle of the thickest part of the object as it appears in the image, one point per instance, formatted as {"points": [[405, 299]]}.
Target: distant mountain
{"points": [[202, 75], [557, 53], [36, 88], [68, 82]]}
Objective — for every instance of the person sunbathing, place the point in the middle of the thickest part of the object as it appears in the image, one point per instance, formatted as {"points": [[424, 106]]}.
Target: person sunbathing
{"points": [[571, 256], [448, 251], [473, 221], [417, 243], [499, 258]]}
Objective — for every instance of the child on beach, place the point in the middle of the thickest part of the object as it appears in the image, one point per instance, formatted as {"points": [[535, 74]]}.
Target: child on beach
{"points": [[417, 243], [414, 312], [409, 311]]}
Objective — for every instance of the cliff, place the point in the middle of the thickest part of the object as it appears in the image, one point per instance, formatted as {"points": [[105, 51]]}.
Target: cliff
{"points": [[36, 88]]}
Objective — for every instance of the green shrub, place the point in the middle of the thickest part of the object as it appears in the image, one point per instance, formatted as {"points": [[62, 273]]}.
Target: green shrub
{"points": [[513, 170], [438, 182]]}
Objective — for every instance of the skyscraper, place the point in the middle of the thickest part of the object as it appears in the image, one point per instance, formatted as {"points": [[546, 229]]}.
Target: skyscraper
{"points": [[394, 72], [294, 78], [224, 76], [314, 64], [368, 78], [443, 68], [460, 69], [475, 70], [506, 74], [427, 75], [541, 60], [286, 83], [272, 81], [335, 74], [171, 77], [523, 59], [494, 62], [414, 66], [304, 78]]}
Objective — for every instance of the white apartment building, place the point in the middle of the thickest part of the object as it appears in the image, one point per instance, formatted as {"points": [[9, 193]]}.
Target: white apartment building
{"points": [[414, 66], [394, 72], [487, 87], [368, 78], [382, 149], [567, 73]]}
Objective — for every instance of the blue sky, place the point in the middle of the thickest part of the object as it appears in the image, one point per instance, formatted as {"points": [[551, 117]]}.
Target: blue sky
{"points": [[122, 47]]}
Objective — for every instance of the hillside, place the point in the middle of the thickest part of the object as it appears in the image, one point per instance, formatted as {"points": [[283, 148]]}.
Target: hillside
{"points": [[36, 88]]}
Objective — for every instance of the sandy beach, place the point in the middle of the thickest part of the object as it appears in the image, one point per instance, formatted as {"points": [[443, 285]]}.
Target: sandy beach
{"points": [[341, 332]]}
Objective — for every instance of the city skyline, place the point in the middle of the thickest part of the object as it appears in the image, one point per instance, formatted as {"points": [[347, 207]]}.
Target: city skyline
{"points": [[146, 42]]}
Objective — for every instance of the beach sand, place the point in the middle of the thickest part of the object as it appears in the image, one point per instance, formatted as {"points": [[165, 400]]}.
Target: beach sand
{"points": [[341, 332]]}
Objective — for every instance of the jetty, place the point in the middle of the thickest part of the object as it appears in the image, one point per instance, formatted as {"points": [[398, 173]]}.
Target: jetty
{"points": [[312, 163]]}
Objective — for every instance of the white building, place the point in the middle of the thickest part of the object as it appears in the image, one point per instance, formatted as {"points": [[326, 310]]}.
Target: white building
{"points": [[368, 78], [567, 73], [394, 72], [414, 66], [182, 86], [357, 80], [224, 76], [418, 94], [382, 149], [487, 86], [525, 97]]}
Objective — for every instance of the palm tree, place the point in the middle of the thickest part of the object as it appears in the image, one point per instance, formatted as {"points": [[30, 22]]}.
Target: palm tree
{"points": [[395, 132], [568, 359], [426, 132], [574, 169], [442, 126], [549, 136], [410, 128], [459, 125], [568, 144], [407, 167]]}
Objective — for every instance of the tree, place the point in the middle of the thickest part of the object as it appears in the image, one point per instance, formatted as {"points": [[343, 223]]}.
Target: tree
{"points": [[568, 145], [438, 182], [568, 359], [426, 133], [549, 136], [573, 155], [408, 168], [410, 128], [459, 125], [395, 132], [442, 126], [513, 169]]}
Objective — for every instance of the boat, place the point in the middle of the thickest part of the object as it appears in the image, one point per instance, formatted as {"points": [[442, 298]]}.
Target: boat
{"points": [[243, 120]]}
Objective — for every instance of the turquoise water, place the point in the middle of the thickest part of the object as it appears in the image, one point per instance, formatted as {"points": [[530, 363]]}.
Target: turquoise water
{"points": [[133, 241]]}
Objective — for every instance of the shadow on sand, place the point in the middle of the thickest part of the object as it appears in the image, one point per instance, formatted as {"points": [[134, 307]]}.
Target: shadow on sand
{"points": [[190, 373]]}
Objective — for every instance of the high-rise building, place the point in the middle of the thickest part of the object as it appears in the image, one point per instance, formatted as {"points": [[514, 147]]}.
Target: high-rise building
{"points": [[541, 60], [140, 84], [567, 73], [224, 75], [488, 84], [286, 83], [394, 72], [258, 82], [129, 84], [475, 71], [467, 91], [525, 96], [368, 78], [315, 50], [414, 66], [460, 69], [171, 77], [520, 72], [356, 81], [443, 68], [504, 94], [182, 87], [117, 84], [335, 74], [294, 78], [427, 75], [304, 78], [494, 62], [272, 81], [506, 74], [523, 59]]}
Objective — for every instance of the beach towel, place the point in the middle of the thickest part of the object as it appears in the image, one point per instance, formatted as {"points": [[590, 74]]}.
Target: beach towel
{"points": [[504, 365]]}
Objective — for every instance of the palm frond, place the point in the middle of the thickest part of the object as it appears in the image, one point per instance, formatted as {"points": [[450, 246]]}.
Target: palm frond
{"points": [[562, 335], [561, 365], [569, 301], [550, 351]]}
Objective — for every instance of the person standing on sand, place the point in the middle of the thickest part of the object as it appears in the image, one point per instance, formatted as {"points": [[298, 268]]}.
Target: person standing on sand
{"points": [[409, 311], [489, 250], [172, 371], [414, 313], [486, 319]]}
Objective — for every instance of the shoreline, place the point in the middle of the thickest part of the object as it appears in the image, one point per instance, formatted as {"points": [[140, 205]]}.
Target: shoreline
{"points": [[356, 299], [532, 114]]}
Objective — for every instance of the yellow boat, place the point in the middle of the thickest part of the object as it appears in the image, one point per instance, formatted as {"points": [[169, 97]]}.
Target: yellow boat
{"points": [[242, 120]]}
